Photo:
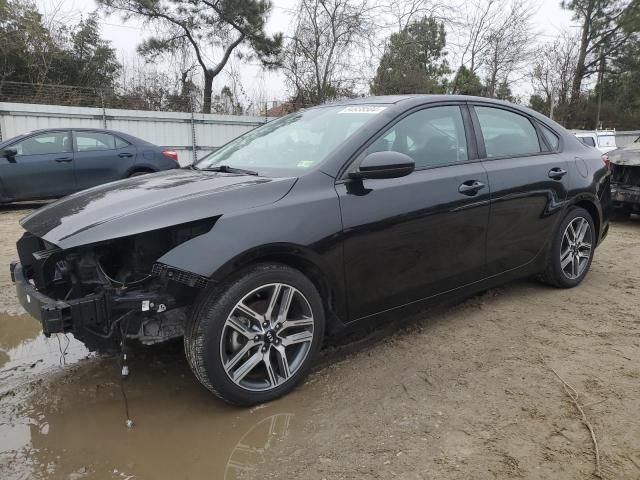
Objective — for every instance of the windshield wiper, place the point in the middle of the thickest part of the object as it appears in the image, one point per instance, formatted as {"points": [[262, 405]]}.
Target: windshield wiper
{"points": [[228, 169]]}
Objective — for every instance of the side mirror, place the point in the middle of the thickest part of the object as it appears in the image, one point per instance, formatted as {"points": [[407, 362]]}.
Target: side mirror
{"points": [[384, 165], [9, 153]]}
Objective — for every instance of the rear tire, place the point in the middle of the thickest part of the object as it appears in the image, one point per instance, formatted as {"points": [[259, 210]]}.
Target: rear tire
{"points": [[572, 250], [254, 338]]}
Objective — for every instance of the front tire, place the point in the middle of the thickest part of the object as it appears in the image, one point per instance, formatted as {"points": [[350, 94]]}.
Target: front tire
{"points": [[254, 338], [571, 251]]}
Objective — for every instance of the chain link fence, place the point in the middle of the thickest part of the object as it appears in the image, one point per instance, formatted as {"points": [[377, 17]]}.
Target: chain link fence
{"points": [[136, 98], [72, 96]]}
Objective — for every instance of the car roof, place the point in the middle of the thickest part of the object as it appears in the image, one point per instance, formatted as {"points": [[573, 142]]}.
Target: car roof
{"points": [[410, 101], [425, 98], [83, 129]]}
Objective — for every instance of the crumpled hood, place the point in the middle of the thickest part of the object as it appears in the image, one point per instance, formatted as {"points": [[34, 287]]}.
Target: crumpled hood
{"points": [[628, 155], [149, 202]]}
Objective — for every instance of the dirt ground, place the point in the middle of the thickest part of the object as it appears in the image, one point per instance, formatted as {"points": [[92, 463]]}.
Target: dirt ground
{"points": [[465, 392]]}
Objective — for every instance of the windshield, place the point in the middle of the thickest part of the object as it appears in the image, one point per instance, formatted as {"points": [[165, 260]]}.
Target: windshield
{"points": [[295, 143]]}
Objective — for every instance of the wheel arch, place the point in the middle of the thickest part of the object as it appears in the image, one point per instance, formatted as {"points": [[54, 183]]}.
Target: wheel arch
{"points": [[140, 169], [591, 205], [304, 260]]}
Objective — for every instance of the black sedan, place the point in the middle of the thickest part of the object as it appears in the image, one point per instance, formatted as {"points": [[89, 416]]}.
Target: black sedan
{"points": [[54, 163], [340, 215]]}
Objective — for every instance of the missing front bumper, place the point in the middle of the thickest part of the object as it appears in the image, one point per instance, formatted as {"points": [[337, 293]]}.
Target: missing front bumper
{"points": [[57, 316], [626, 195]]}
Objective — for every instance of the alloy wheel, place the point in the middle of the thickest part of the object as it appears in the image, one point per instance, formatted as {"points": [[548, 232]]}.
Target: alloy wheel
{"points": [[266, 337], [576, 248]]}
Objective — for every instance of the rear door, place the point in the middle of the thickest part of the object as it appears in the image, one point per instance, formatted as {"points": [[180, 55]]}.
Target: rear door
{"points": [[101, 157], [43, 167], [529, 183], [409, 238]]}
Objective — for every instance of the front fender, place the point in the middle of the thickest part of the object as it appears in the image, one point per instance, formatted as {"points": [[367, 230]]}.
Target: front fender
{"points": [[305, 224], [295, 252]]}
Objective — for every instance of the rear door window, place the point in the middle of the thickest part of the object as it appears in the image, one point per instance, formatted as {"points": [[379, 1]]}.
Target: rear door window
{"points": [[94, 141], [507, 134]]}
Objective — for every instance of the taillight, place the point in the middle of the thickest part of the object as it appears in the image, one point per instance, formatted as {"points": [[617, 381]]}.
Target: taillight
{"points": [[605, 159], [172, 154]]}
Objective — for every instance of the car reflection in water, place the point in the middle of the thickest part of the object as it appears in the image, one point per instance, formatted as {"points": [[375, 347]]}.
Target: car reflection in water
{"points": [[252, 451]]}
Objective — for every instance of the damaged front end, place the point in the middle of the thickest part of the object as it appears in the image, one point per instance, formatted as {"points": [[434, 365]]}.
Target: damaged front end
{"points": [[106, 290], [625, 187], [625, 178]]}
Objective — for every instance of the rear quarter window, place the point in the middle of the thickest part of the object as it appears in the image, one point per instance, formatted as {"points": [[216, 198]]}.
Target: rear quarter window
{"points": [[588, 141], [552, 139], [120, 143]]}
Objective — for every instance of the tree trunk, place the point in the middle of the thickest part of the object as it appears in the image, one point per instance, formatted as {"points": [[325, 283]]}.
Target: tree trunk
{"points": [[600, 88], [208, 92], [183, 83], [493, 78], [576, 85]]}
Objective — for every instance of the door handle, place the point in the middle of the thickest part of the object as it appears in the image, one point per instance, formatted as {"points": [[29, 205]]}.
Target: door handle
{"points": [[557, 173], [64, 159], [125, 155], [471, 187]]}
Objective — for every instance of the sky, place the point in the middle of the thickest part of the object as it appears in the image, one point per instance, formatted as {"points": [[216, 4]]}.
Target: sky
{"points": [[549, 20]]}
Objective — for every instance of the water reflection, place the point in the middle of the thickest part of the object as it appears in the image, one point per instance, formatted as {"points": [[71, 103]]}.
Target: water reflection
{"points": [[73, 424], [253, 448], [24, 349]]}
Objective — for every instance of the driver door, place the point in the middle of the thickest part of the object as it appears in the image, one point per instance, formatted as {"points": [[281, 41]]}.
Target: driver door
{"points": [[42, 168], [410, 238]]}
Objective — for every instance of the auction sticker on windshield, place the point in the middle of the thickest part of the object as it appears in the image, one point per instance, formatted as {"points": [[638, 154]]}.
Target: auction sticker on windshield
{"points": [[362, 109]]}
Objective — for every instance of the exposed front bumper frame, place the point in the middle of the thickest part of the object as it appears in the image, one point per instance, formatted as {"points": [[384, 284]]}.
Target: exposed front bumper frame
{"points": [[625, 194], [57, 316]]}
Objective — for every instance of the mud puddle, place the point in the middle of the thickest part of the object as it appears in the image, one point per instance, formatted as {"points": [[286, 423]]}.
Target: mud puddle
{"points": [[69, 422], [25, 351]]}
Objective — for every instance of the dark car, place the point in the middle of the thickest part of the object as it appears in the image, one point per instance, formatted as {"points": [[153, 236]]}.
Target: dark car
{"points": [[340, 215], [54, 163]]}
